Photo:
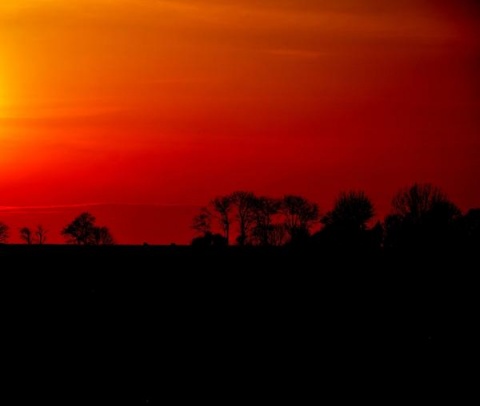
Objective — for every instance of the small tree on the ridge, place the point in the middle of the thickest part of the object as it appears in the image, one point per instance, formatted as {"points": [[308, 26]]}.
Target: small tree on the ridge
{"points": [[40, 235], [83, 231], [26, 235], [80, 230], [102, 236]]}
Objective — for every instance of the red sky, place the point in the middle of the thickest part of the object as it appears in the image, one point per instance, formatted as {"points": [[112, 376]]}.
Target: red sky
{"points": [[157, 106]]}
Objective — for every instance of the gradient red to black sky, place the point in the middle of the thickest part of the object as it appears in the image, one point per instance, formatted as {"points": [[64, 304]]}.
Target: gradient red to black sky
{"points": [[142, 111]]}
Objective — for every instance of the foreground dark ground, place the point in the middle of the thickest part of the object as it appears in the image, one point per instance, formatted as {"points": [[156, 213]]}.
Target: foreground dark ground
{"points": [[129, 324]]}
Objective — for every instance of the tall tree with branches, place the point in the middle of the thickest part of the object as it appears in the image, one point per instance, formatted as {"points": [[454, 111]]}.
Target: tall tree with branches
{"points": [[265, 231], [300, 215], [202, 222], [40, 235], [244, 204], [223, 206]]}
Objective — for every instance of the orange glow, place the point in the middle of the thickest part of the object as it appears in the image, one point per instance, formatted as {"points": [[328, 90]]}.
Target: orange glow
{"points": [[172, 102]]}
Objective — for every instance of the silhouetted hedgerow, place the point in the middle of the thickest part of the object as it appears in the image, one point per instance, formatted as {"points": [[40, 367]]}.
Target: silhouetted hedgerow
{"points": [[421, 218]]}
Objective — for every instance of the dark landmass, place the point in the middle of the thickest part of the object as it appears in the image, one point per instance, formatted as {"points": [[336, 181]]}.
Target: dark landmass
{"points": [[129, 323]]}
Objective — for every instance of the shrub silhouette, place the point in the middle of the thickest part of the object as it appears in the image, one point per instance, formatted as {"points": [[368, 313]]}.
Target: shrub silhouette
{"points": [[346, 225]]}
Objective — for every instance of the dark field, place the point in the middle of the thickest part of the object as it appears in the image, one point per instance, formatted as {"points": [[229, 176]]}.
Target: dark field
{"points": [[114, 324]]}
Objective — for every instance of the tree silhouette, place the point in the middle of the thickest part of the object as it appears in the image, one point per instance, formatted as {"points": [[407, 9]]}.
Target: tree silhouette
{"points": [[244, 203], [80, 230], [40, 235], [26, 235], [345, 226], [421, 215], [223, 206], [202, 222], [83, 231], [300, 215], [421, 202], [102, 236], [264, 231], [352, 211], [4, 233]]}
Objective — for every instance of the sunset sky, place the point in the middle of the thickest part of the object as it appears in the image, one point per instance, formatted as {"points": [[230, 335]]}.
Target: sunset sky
{"points": [[143, 110]]}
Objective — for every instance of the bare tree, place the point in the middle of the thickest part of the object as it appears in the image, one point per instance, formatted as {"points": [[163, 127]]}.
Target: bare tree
{"points": [[4, 233], [202, 222], [40, 235], [422, 216], [223, 206], [264, 231], [26, 235], [300, 215], [422, 201], [244, 203]]}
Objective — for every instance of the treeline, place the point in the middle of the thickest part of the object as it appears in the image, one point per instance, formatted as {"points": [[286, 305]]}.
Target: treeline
{"points": [[81, 231], [421, 216]]}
